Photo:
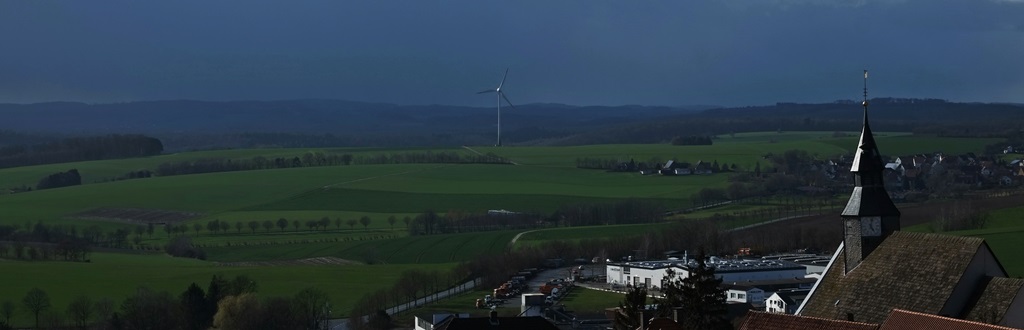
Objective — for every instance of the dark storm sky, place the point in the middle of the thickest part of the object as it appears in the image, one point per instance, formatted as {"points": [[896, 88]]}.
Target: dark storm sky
{"points": [[724, 52]]}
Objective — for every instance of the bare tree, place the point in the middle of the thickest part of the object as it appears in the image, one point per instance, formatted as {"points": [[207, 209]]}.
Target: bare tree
{"points": [[36, 301], [365, 220], [391, 221], [80, 311], [238, 227], [337, 223], [312, 308], [7, 310], [253, 225], [351, 223], [197, 227], [104, 309], [282, 223]]}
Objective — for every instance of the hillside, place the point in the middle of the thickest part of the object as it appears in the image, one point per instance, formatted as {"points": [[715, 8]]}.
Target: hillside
{"points": [[191, 124]]}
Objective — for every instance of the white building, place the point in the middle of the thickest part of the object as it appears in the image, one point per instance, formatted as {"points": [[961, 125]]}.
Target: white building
{"points": [[748, 295], [786, 301], [651, 273], [755, 292]]}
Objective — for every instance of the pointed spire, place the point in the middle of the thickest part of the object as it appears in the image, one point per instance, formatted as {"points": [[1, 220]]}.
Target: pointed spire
{"points": [[867, 157]]}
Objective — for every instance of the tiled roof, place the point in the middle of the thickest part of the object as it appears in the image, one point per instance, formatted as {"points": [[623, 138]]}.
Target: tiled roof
{"points": [[913, 271], [994, 299], [907, 320], [774, 321]]}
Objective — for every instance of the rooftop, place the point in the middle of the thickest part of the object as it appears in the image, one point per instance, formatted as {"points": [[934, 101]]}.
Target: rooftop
{"points": [[720, 265]]}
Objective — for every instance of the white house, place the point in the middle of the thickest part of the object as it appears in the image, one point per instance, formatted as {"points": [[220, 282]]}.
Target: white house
{"points": [[755, 292], [785, 301], [745, 294]]}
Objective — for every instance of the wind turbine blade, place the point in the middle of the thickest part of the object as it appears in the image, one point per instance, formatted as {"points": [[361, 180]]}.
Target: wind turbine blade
{"points": [[507, 101], [486, 91], [503, 79]]}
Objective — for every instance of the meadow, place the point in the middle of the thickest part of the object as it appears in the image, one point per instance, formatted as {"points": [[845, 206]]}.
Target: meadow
{"points": [[545, 179], [117, 275]]}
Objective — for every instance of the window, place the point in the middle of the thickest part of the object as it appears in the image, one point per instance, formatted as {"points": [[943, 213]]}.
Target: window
{"points": [[732, 295], [741, 296], [625, 270]]}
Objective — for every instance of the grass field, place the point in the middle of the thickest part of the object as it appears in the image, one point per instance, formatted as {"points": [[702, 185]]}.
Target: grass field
{"points": [[583, 300], [65, 280], [409, 249], [105, 170], [596, 232], [545, 179]]}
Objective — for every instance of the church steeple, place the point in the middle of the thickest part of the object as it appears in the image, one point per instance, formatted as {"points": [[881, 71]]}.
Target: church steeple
{"points": [[870, 216]]}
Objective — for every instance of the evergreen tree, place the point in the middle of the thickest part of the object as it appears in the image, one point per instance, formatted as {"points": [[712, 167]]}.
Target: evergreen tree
{"points": [[195, 308], [630, 314], [698, 297]]}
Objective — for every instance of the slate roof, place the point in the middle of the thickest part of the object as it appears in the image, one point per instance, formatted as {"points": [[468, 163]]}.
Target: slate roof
{"points": [[907, 320], [912, 271], [870, 201], [757, 320], [996, 295], [504, 323], [869, 197]]}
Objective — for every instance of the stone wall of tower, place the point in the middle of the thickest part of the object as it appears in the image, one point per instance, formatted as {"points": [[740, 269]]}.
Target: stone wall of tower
{"points": [[852, 248]]}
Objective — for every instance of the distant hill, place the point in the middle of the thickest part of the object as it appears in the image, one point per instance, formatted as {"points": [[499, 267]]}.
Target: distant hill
{"points": [[180, 123], [185, 124], [924, 116]]}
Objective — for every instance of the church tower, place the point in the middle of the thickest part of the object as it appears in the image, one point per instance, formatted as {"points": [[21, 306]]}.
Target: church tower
{"points": [[870, 216]]}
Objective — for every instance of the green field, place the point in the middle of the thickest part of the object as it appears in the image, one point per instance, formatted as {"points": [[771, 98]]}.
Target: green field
{"points": [[545, 178], [409, 249], [118, 275], [1003, 232], [105, 170]]}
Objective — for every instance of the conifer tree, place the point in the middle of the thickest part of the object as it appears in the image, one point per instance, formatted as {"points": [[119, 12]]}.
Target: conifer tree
{"points": [[698, 297], [629, 316]]}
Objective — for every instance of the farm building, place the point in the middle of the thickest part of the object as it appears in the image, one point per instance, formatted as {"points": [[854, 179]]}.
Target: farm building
{"points": [[651, 273]]}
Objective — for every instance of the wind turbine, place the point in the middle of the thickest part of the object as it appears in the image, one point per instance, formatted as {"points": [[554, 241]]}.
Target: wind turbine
{"points": [[501, 96]]}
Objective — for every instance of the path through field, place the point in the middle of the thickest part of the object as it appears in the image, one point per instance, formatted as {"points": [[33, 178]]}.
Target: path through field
{"points": [[514, 239]]}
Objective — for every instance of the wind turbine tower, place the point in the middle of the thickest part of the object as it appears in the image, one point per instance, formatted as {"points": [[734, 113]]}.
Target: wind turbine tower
{"points": [[501, 96]]}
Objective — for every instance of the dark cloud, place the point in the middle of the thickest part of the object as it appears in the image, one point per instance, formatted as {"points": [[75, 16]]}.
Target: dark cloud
{"points": [[730, 52]]}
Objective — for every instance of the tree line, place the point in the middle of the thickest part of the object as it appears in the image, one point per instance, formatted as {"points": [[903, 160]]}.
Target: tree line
{"points": [[692, 140], [315, 159], [80, 149], [225, 304], [61, 179]]}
